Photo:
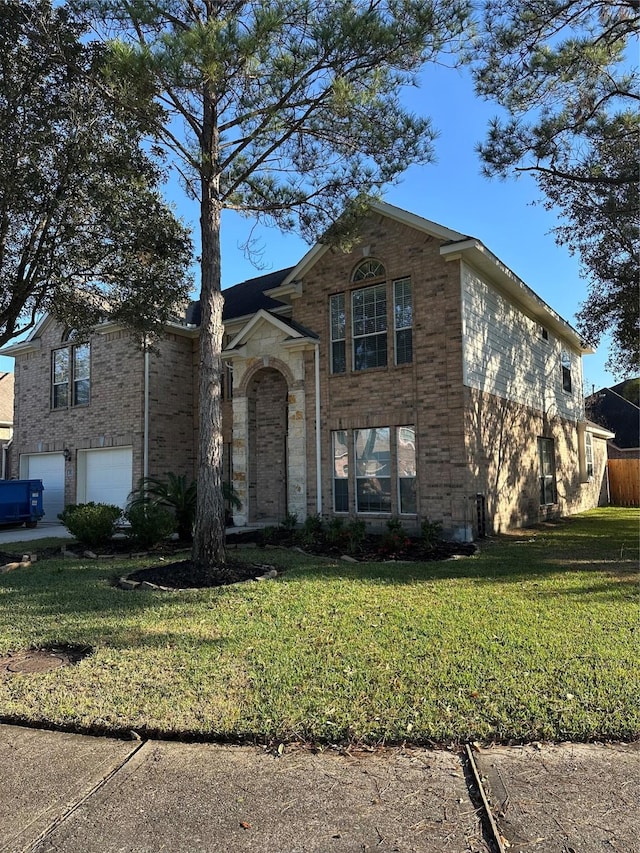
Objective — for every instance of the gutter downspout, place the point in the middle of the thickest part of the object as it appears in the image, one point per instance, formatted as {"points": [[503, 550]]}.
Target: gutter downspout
{"points": [[145, 437], [318, 437]]}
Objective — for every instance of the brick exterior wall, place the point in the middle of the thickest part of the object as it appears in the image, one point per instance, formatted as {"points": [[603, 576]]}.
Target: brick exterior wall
{"points": [[114, 416], [467, 441], [427, 394], [503, 464], [172, 395]]}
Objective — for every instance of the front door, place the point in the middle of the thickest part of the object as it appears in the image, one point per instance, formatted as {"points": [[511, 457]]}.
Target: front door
{"points": [[267, 409]]}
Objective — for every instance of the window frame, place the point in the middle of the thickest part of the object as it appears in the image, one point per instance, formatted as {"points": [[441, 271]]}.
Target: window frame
{"points": [[547, 472], [334, 340], [378, 335], [566, 364], [73, 379], [369, 477], [406, 327]]}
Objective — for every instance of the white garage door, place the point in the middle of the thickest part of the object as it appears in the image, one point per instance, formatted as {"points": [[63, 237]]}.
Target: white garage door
{"points": [[48, 467], [107, 475]]}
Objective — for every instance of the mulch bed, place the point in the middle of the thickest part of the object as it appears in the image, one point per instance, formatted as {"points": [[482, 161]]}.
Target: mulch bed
{"points": [[184, 574]]}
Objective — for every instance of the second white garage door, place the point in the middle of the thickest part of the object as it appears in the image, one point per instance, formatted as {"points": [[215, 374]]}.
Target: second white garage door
{"points": [[105, 476]]}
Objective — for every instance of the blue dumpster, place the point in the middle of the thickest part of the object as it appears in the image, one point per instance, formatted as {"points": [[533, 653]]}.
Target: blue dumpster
{"points": [[21, 500]]}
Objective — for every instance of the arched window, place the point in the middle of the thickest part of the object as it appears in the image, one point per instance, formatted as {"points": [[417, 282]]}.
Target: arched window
{"points": [[370, 268]]}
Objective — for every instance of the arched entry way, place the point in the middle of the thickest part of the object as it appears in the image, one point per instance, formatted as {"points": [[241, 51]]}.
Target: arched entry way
{"points": [[267, 398]]}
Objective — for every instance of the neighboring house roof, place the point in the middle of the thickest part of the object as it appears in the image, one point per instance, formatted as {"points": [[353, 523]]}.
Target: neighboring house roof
{"points": [[6, 399], [629, 389], [608, 409], [245, 298]]}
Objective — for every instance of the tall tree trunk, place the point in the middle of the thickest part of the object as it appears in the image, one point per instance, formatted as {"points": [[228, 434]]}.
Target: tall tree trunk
{"points": [[208, 541]]}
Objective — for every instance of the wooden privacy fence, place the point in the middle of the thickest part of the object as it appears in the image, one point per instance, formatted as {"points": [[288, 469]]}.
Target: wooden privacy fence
{"points": [[624, 482]]}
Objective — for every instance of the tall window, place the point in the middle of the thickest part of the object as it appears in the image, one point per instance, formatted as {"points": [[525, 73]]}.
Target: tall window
{"points": [[546, 454], [373, 470], [403, 320], [81, 374], [406, 450], [71, 376], [369, 318], [565, 362], [340, 471], [338, 332], [588, 454]]}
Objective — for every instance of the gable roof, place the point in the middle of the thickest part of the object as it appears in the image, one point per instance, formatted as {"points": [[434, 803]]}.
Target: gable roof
{"points": [[295, 332], [607, 408], [244, 298], [454, 246], [6, 398], [384, 209]]}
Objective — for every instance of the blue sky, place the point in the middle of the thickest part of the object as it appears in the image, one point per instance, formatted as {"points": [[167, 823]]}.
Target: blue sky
{"points": [[453, 193]]}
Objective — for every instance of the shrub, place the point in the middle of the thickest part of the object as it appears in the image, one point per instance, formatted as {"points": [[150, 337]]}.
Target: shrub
{"points": [[336, 531], [431, 532], [92, 524], [179, 495], [289, 522], [312, 531], [149, 524], [174, 493], [356, 534], [395, 540]]}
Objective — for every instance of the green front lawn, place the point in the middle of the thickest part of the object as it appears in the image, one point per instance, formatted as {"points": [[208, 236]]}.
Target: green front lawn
{"points": [[534, 638]]}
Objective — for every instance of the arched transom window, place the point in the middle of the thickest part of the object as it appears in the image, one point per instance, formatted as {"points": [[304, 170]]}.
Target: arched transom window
{"points": [[370, 268]]}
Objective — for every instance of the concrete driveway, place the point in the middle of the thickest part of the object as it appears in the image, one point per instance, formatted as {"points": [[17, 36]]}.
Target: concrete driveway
{"points": [[13, 533]]}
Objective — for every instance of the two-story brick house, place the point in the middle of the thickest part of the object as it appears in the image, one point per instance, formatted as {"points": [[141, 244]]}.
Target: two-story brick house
{"points": [[413, 377]]}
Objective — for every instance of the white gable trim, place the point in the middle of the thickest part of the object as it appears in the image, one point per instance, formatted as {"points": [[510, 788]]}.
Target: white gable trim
{"points": [[427, 226], [476, 254], [258, 318]]}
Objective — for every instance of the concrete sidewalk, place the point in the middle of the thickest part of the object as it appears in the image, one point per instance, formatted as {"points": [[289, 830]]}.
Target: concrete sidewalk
{"points": [[67, 792]]}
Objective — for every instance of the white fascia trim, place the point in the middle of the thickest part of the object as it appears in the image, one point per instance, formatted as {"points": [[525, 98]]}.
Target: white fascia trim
{"points": [[382, 208], [238, 323], [292, 289], [21, 348], [598, 431], [479, 257], [259, 317], [415, 221], [302, 342]]}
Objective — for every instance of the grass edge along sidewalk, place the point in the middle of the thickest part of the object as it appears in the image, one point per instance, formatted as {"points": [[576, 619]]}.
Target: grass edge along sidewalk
{"points": [[535, 638]]}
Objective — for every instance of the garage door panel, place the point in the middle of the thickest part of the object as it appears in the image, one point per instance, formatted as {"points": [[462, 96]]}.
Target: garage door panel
{"points": [[108, 475], [48, 467]]}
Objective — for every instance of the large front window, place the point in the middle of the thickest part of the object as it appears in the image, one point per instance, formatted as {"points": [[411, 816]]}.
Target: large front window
{"points": [[71, 376], [373, 470], [367, 463], [547, 461], [369, 319]]}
